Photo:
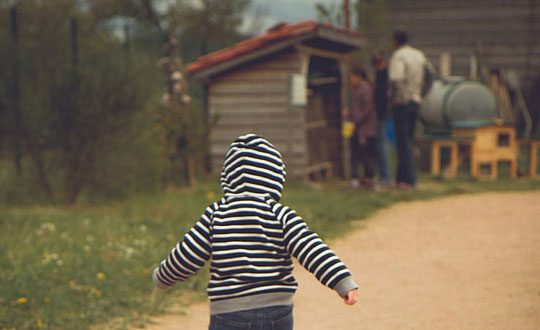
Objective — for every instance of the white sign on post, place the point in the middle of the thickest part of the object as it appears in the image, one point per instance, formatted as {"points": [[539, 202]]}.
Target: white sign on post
{"points": [[298, 89]]}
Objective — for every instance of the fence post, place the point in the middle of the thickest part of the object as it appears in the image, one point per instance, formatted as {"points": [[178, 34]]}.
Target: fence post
{"points": [[16, 90]]}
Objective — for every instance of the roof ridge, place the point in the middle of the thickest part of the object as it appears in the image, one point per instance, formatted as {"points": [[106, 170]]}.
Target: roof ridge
{"points": [[279, 32]]}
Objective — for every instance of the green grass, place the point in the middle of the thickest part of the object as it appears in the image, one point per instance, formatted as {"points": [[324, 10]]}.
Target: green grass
{"points": [[79, 267]]}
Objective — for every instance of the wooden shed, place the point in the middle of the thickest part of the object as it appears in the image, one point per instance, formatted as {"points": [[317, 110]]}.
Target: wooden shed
{"points": [[288, 85]]}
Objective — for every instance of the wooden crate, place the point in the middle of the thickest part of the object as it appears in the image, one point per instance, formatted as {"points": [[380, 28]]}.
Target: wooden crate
{"points": [[489, 146]]}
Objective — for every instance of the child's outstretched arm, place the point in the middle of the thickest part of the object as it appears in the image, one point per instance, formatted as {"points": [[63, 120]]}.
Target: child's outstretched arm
{"points": [[188, 256], [315, 256]]}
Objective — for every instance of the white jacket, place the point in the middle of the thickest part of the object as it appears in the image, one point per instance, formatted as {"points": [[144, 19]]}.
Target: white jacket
{"points": [[406, 75]]}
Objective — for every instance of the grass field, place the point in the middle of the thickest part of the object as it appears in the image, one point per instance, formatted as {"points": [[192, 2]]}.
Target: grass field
{"points": [[79, 267]]}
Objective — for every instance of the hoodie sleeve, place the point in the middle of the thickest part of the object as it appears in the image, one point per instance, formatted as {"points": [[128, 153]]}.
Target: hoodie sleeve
{"points": [[315, 256], [188, 256]]}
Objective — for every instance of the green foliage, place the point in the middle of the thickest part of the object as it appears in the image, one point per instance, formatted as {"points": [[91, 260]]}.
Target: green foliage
{"points": [[69, 268], [215, 22], [91, 124], [86, 110]]}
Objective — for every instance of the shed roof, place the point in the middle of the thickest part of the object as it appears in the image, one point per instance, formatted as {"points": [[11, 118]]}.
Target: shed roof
{"points": [[309, 32]]}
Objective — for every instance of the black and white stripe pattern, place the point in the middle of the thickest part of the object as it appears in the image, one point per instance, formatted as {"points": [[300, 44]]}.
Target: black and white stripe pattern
{"points": [[253, 165], [248, 235]]}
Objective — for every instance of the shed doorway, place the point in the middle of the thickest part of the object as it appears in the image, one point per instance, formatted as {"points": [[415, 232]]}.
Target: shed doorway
{"points": [[323, 118]]}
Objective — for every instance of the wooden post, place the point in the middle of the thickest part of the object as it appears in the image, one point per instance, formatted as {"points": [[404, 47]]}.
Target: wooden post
{"points": [[345, 104], [446, 64], [16, 92], [435, 158], [532, 158], [436, 147], [473, 69]]}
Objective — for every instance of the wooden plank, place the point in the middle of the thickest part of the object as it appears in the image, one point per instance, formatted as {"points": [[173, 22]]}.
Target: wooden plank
{"points": [[269, 98], [258, 119], [239, 87], [220, 149], [266, 74], [271, 133], [320, 52], [220, 143], [285, 61], [247, 108], [264, 68]]}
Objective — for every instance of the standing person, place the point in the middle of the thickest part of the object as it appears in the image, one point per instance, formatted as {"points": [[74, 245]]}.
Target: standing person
{"points": [[364, 139], [381, 107], [250, 238], [406, 75]]}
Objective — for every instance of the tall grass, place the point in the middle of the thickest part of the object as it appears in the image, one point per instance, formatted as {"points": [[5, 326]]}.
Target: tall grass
{"points": [[79, 267]]}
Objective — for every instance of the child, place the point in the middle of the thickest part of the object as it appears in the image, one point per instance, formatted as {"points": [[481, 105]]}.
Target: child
{"points": [[250, 238]]}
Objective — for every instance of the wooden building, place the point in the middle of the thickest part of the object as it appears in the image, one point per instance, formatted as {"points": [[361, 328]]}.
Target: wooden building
{"points": [[502, 34], [288, 85]]}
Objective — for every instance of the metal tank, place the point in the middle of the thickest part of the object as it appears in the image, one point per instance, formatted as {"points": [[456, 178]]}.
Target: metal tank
{"points": [[457, 102]]}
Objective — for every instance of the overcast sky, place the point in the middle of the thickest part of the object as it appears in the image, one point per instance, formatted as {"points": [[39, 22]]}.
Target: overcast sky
{"points": [[290, 11]]}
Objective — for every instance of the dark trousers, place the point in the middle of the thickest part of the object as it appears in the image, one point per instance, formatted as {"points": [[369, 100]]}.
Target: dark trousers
{"points": [[404, 123], [365, 153], [266, 318]]}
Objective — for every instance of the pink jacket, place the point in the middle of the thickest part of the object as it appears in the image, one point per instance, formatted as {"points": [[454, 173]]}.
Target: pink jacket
{"points": [[363, 112]]}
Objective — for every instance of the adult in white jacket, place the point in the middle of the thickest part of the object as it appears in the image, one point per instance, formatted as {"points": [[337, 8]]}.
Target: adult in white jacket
{"points": [[406, 78]]}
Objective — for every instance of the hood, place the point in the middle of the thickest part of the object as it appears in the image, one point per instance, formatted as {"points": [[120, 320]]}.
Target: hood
{"points": [[253, 166]]}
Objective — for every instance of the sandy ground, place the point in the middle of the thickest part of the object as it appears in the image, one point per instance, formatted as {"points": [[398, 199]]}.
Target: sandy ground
{"points": [[462, 262]]}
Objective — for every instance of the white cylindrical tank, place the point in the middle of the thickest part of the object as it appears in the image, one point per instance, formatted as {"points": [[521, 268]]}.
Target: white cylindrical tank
{"points": [[457, 102]]}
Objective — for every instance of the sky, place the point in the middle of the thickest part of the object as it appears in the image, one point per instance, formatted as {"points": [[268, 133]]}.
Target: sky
{"points": [[275, 11]]}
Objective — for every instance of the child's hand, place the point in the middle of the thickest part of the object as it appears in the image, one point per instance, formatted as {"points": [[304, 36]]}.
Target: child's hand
{"points": [[351, 297]]}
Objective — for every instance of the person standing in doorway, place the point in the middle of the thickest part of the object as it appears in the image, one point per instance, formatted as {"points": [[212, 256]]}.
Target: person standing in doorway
{"points": [[406, 77], [364, 140], [380, 65]]}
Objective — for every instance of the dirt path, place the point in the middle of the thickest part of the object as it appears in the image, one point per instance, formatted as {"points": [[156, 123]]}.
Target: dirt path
{"points": [[463, 262]]}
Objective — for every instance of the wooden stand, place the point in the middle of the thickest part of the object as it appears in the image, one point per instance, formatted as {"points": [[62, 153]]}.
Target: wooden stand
{"points": [[488, 146], [437, 144], [491, 145]]}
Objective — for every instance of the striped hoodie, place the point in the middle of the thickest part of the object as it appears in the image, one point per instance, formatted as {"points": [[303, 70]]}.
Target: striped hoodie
{"points": [[249, 238]]}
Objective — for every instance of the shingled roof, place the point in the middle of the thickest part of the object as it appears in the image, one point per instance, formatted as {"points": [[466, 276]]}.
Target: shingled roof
{"points": [[309, 32]]}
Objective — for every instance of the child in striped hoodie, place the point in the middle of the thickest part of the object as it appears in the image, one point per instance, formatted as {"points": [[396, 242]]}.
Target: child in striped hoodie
{"points": [[249, 237]]}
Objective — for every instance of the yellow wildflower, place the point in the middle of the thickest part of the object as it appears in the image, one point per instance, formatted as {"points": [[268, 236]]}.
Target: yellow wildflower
{"points": [[47, 300], [39, 323], [22, 300], [100, 276], [98, 293]]}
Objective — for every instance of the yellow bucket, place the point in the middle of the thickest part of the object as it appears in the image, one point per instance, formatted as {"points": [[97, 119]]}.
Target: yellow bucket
{"points": [[347, 129]]}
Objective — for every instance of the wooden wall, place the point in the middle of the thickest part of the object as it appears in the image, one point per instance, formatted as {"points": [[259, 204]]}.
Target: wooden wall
{"points": [[508, 30], [255, 98]]}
